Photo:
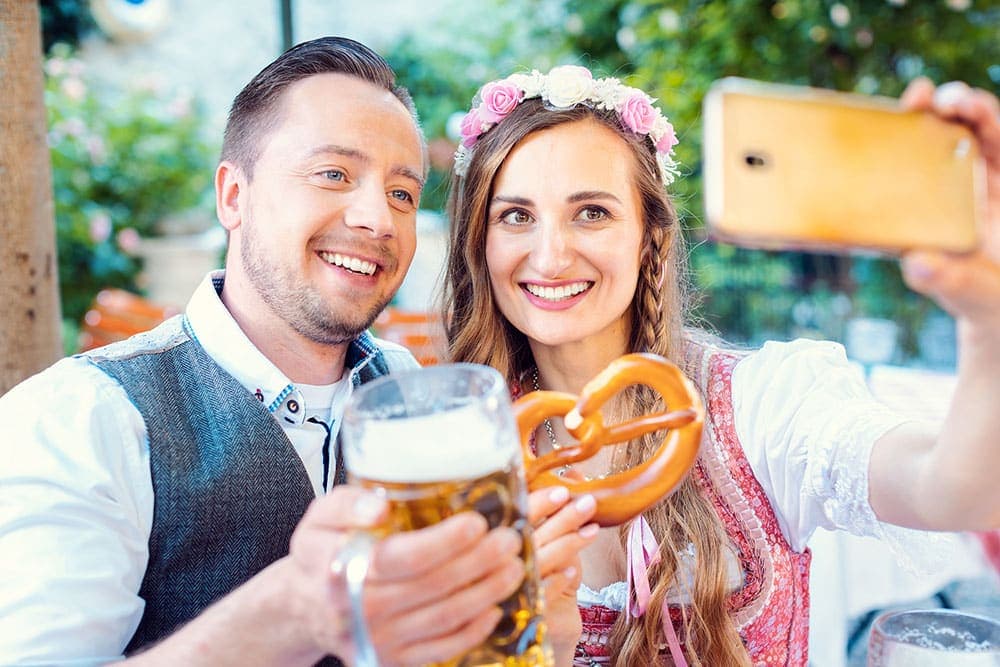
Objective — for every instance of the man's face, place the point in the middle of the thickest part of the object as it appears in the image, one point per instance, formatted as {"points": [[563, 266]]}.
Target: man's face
{"points": [[327, 222]]}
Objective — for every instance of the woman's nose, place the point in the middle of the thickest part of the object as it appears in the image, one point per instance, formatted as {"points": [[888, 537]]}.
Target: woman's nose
{"points": [[552, 253]]}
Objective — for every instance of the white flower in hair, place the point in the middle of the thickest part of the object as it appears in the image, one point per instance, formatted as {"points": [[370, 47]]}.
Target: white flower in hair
{"points": [[567, 86], [531, 84], [609, 94]]}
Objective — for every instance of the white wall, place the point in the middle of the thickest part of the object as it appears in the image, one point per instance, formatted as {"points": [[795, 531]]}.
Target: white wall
{"points": [[213, 48]]}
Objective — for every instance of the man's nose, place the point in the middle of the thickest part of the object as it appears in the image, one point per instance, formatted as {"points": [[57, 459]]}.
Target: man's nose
{"points": [[552, 254], [369, 210]]}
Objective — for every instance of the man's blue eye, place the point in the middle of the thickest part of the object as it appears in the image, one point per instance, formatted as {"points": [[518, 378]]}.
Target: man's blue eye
{"points": [[402, 195], [333, 175]]}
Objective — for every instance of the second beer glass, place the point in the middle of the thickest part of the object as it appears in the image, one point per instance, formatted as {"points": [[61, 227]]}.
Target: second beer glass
{"points": [[441, 440]]}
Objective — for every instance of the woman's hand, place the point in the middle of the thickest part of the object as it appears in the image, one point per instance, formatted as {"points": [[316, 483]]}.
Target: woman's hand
{"points": [[967, 286], [561, 531], [947, 480]]}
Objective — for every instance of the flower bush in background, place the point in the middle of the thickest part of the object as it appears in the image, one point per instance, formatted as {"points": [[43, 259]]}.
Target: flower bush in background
{"points": [[123, 160]]}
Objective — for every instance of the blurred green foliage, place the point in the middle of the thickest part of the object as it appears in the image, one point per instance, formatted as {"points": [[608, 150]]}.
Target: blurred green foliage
{"points": [[122, 162], [674, 49], [677, 48]]}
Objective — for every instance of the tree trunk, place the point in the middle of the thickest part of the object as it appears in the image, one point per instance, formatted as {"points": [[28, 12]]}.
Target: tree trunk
{"points": [[30, 331]]}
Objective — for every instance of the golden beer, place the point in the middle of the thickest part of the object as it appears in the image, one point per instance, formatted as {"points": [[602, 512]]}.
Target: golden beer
{"points": [[519, 638], [442, 440]]}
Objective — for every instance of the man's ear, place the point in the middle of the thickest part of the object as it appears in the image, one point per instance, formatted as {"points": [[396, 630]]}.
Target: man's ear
{"points": [[229, 181]]}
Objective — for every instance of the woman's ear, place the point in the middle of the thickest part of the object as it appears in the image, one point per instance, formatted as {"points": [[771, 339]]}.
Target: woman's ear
{"points": [[229, 182]]}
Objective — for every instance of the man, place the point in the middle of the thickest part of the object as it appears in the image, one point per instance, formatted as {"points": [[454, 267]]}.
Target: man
{"points": [[152, 488]]}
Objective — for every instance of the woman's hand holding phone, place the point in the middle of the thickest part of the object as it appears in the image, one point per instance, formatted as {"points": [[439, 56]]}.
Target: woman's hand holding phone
{"points": [[966, 285]]}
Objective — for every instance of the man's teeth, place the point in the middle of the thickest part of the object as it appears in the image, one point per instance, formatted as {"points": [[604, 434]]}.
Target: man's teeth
{"points": [[557, 293], [350, 263]]}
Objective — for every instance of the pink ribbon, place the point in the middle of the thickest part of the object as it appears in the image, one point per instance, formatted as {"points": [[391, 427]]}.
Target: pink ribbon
{"points": [[642, 552]]}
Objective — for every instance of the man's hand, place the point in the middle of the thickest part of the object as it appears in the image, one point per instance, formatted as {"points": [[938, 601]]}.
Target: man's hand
{"points": [[429, 595]]}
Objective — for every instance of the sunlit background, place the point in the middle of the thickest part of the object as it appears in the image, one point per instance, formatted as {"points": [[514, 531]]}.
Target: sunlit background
{"points": [[137, 100], [137, 93]]}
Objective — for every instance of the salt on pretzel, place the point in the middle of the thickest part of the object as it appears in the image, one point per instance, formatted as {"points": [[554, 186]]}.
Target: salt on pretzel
{"points": [[625, 495]]}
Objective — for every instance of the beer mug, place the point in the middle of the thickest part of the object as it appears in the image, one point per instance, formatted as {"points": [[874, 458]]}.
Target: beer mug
{"points": [[434, 442], [934, 637]]}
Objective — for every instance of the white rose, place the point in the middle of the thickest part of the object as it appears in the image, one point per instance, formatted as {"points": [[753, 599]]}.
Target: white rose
{"points": [[568, 85]]}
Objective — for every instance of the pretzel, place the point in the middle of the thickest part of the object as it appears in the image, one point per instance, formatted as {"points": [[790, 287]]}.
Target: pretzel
{"points": [[625, 495]]}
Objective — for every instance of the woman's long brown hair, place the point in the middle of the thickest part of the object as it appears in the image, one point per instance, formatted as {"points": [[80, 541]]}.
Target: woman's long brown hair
{"points": [[477, 332]]}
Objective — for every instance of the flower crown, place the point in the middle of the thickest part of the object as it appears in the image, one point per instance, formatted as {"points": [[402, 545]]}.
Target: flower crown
{"points": [[563, 88]]}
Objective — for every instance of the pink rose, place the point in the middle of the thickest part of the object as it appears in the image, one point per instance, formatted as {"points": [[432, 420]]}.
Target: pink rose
{"points": [[668, 140], [100, 227], [472, 127], [128, 240], [638, 114], [499, 99]]}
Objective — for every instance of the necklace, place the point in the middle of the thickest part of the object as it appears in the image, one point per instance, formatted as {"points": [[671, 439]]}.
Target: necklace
{"points": [[547, 424], [552, 434]]}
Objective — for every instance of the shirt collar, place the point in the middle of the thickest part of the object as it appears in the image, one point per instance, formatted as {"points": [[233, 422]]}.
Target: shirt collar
{"points": [[210, 323]]}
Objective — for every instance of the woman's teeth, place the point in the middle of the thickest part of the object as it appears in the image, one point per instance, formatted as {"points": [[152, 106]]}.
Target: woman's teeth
{"points": [[557, 293]]}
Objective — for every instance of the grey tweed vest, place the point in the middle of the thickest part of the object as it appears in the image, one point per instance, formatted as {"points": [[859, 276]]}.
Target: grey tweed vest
{"points": [[228, 486]]}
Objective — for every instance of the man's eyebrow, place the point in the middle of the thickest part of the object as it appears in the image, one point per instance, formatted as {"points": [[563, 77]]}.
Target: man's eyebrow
{"points": [[361, 156], [406, 172], [346, 151]]}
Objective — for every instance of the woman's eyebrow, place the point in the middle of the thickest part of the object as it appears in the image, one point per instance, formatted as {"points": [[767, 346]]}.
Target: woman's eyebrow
{"points": [[591, 194], [504, 199]]}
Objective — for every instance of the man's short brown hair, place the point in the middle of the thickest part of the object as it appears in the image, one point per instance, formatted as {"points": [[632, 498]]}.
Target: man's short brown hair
{"points": [[256, 110]]}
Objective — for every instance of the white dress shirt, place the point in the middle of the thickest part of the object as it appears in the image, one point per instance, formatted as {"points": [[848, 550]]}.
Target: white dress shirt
{"points": [[76, 495]]}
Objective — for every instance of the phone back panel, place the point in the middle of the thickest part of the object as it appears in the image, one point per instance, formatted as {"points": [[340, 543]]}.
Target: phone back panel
{"points": [[786, 168]]}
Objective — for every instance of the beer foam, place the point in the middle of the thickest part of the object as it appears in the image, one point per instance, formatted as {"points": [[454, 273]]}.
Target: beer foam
{"points": [[450, 445]]}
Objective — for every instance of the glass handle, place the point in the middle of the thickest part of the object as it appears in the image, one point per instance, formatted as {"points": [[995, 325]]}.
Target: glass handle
{"points": [[355, 557]]}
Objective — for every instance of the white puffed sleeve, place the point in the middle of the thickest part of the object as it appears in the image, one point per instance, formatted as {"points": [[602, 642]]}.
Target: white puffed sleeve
{"points": [[807, 422]]}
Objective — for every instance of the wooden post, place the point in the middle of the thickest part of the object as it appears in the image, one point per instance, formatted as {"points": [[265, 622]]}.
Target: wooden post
{"points": [[30, 325]]}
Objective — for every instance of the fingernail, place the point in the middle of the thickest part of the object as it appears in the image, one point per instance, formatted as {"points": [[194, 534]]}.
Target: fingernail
{"points": [[510, 542], [559, 494], [588, 531], [368, 509], [948, 94], [919, 266], [474, 525], [585, 504], [569, 572], [516, 570]]}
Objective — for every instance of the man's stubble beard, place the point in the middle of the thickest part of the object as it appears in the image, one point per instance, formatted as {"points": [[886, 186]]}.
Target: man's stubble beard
{"points": [[299, 304]]}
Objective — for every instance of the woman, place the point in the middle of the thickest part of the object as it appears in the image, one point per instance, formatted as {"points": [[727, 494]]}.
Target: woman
{"points": [[565, 254]]}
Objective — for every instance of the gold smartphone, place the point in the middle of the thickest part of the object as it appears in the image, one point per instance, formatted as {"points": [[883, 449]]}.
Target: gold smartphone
{"points": [[790, 167]]}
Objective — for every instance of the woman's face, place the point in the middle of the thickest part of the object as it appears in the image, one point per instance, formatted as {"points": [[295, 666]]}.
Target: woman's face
{"points": [[565, 234]]}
